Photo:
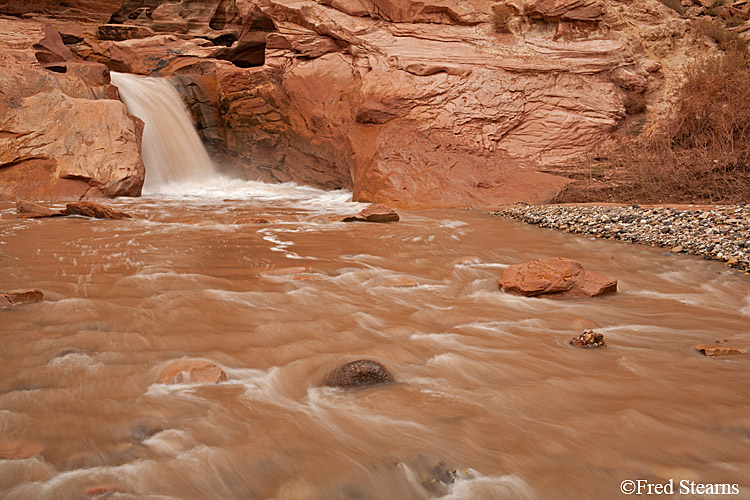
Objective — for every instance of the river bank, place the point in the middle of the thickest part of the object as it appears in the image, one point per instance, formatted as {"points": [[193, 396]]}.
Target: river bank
{"points": [[720, 232]]}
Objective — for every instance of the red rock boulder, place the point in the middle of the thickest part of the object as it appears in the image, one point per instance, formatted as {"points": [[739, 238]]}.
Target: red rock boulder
{"points": [[376, 212], [556, 277], [89, 209], [192, 371], [715, 350], [21, 296]]}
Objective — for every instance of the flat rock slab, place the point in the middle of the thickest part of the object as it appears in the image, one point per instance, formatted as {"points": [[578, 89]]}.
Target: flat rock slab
{"points": [[89, 209], [21, 296], [716, 350], [192, 371], [374, 213], [26, 209], [555, 277], [362, 372]]}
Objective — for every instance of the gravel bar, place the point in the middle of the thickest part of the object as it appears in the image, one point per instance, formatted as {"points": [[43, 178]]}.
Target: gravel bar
{"points": [[721, 233]]}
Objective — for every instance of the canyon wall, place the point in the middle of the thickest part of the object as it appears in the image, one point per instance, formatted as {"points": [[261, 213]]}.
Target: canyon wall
{"points": [[63, 132], [413, 103]]}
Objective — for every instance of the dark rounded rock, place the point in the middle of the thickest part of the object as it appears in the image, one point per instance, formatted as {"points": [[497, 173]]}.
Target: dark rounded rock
{"points": [[362, 372]]}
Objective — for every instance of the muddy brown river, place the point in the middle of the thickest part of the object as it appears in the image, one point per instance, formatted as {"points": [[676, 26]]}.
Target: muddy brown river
{"points": [[485, 382]]}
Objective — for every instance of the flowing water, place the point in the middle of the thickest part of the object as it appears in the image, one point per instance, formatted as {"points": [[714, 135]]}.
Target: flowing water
{"points": [[170, 143], [484, 381]]}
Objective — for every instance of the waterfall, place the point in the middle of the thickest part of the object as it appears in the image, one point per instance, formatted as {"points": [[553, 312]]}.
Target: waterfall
{"points": [[172, 150]]}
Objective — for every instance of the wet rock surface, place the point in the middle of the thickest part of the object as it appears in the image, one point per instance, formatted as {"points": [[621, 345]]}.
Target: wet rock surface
{"points": [[374, 213], [363, 372], [588, 340], [94, 210], [192, 371], [21, 296], [556, 277], [28, 210], [716, 350], [721, 233]]}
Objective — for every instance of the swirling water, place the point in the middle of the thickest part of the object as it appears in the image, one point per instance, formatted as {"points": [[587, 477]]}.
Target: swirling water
{"points": [[485, 381]]}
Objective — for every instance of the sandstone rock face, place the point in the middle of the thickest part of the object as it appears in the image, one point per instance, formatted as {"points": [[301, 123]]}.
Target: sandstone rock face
{"points": [[413, 104], [358, 373], [555, 278], [61, 137]]}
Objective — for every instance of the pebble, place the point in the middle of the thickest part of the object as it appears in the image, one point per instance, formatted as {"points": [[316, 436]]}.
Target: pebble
{"points": [[721, 233]]}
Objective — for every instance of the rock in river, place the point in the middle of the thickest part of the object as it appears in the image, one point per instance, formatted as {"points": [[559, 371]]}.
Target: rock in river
{"points": [[192, 371], [21, 296], [359, 373], [556, 277], [374, 213], [588, 340], [89, 209], [715, 350]]}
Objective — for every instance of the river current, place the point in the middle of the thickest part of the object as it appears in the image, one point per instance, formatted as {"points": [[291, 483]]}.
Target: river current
{"points": [[485, 382]]}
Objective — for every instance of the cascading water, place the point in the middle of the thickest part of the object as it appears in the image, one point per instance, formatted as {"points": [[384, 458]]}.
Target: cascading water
{"points": [[172, 150]]}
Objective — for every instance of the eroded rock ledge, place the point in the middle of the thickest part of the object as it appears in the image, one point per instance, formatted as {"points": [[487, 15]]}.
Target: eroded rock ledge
{"points": [[407, 103]]}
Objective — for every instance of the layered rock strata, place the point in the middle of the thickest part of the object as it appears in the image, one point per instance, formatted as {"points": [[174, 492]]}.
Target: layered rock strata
{"points": [[63, 133], [435, 103]]}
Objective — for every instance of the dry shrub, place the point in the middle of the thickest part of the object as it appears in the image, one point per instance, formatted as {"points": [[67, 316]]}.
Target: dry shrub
{"points": [[634, 103], [727, 41], [700, 155], [501, 14]]}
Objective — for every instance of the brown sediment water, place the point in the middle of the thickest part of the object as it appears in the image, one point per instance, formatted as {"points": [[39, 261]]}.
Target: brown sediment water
{"points": [[484, 381]]}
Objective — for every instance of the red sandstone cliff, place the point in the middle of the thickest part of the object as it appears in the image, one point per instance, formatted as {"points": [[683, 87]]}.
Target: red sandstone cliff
{"points": [[405, 102]]}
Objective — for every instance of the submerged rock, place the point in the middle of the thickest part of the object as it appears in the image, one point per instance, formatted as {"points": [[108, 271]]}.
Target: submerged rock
{"points": [[28, 210], [192, 371], [374, 213], [18, 449], [556, 277], [21, 296], [359, 373], [89, 209], [254, 220], [588, 340], [715, 350]]}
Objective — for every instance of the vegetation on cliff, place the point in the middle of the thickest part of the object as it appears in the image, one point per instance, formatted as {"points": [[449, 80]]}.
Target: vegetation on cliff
{"points": [[700, 154]]}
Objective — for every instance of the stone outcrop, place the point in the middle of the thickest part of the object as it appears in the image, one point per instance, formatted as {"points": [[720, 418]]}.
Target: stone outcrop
{"points": [[555, 278], [362, 372], [62, 136], [406, 103]]}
